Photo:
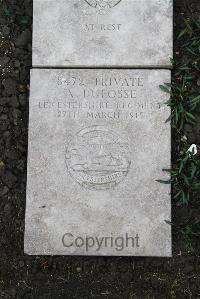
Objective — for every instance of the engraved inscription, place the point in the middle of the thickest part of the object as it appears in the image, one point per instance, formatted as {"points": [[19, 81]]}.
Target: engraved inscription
{"points": [[113, 97], [101, 27], [97, 158]]}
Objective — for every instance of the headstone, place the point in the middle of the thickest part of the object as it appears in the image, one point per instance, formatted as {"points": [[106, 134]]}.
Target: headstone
{"points": [[102, 33], [98, 142]]}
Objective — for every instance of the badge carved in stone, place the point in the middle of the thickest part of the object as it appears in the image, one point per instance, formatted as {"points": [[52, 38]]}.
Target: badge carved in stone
{"points": [[97, 158], [102, 5]]}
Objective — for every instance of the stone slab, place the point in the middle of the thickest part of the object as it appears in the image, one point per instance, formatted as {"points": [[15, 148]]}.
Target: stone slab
{"points": [[98, 141], [102, 33]]}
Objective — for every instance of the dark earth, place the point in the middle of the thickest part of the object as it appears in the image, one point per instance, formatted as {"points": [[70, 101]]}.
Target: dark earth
{"points": [[23, 276]]}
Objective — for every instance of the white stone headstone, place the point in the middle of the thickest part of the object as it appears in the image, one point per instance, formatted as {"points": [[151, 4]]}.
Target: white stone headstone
{"points": [[102, 33], [98, 142]]}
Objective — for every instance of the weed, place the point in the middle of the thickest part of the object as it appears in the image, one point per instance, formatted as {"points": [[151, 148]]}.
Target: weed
{"points": [[184, 100]]}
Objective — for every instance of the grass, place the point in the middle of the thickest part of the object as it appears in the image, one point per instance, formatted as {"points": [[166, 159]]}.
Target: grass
{"points": [[186, 178], [184, 101]]}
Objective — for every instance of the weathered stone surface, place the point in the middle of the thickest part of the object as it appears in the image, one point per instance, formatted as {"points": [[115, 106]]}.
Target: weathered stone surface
{"points": [[104, 33], [98, 142]]}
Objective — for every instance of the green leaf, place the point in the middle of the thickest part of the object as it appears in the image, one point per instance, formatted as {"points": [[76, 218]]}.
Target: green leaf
{"points": [[182, 33], [168, 222], [186, 180], [196, 186], [191, 116], [165, 88], [177, 194], [164, 182], [7, 12], [167, 170], [195, 100], [168, 119], [186, 197], [181, 166]]}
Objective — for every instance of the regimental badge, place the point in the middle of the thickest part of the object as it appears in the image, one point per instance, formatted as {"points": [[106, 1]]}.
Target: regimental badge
{"points": [[103, 5], [97, 158]]}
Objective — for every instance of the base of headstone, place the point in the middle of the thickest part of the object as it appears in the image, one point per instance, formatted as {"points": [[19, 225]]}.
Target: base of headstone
{"points": [[98, 144]]}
